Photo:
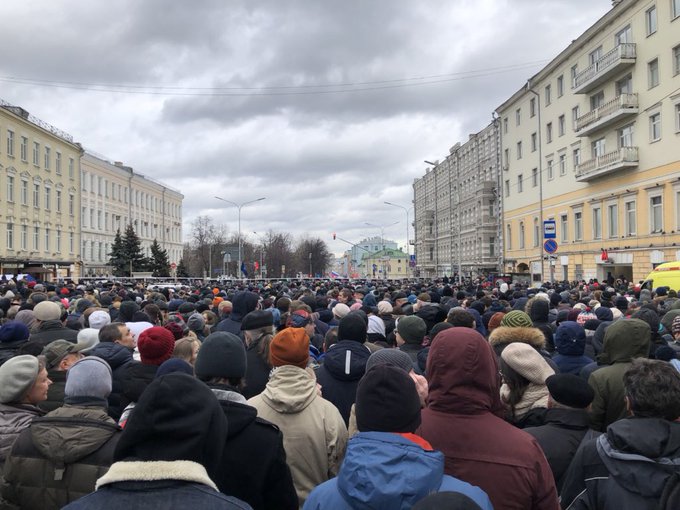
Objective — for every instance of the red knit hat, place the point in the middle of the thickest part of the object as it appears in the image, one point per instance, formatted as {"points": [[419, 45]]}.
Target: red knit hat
{"points": [[155, 345], [290, 347]]}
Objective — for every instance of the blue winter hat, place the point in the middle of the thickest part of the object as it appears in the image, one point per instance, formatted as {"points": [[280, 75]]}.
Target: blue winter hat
{"points": [[13, 331]]}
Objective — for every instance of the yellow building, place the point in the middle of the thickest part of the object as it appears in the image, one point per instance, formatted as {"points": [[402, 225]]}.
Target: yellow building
{"points": [[39, 197], [591, 142], [387, 264]]}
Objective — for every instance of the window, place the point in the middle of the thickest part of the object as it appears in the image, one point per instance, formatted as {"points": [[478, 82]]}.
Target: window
{"points": [[519, 183], [36, 195], [534, 177], [563, 164], [10, 143], [537, 233], [57, 163], [625, 35], [58, 241], [24, 237], [573, 73], [597, 223], [656, 214], [578, 226], [507, 188], [576, 156], [47, 239], [10, 236], [71, 165], [595, 55], [521, 235], [505, 128], [99, 220], [575, 114], [36, 153], [24, 192], [547, 95], [655, 127], [532, 107], [48, 153], [548, 132], [560, 86], [561, 125], [71, 201], [70, 242], [48, 198], [507, 157], [519, 150], [650, 20], [675, 8], [518, 117], [676, 59], [597, 100], [677, 117], [624, 85], [24, 148], [508, 236], [551, 173], [10, 188], [598, 148], [58, 200], [613, 219], [36, 238], [534, 142], [653, 73], [625, 135], [564, 228]]}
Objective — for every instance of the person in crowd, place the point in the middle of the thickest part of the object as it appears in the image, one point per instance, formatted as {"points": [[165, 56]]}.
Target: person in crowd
{"points": [[60, 456], [168, 453], [410, 332], [59, 356], [13, 334], [387, 465], [566, 422], [314, 432], [463, 419], [254, 465], [187, 349], [243, 303], [570, 345], [345, 363], [98, 319], [23, 385], [636, 462], [50, 324], [196, 323], [258, 331]]}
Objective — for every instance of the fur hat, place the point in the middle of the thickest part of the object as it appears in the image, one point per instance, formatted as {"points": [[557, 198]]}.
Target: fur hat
{"points": [[47, 311], [155, 345], [289, 347], [257, 319], [17, 376], [221, 355], [412, 329]]}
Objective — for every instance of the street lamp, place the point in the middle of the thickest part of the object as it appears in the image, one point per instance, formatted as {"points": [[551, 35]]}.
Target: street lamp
{"points": [[239, 206], [407, 223], [261, 254]]}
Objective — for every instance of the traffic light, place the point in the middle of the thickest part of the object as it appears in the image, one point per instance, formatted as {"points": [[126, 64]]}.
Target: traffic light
{"points": [[333, 236]]}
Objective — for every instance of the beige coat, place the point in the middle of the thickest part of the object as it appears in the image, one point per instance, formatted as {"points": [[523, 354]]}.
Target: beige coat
{"points": [[314, 433]]}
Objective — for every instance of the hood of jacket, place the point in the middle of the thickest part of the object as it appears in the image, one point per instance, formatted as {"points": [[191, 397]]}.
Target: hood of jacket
{"points": [[641, 453], [346, 360], [538, 309], [243, 303], [463, 374], [70, 433], [115, 355], [385, 470], [570, 339], [290, 389], [479, 323], [507, 335], [624, 340]]}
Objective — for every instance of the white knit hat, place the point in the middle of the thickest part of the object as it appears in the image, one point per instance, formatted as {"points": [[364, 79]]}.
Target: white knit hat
{"points": [[527, 362]]}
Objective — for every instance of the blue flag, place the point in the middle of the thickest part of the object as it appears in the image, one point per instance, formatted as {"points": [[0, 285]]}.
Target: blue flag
{"points": [[243, 269]]}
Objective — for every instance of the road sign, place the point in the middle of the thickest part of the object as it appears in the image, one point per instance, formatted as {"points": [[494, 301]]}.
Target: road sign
{"points": [[549, 230], [550, 246], [173, 266]]}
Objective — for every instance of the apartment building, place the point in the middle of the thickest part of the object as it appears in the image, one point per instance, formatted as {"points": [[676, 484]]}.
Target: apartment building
{"points": [[457, 209], [39, 197], [591, 142], [113, 196]]}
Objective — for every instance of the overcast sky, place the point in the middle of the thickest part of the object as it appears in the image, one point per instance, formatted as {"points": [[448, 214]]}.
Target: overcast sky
{"points": [[326, 108]]}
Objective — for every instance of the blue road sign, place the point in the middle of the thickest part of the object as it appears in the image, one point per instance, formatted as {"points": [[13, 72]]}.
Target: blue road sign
{"points": [[550, 246], [549, 229]]}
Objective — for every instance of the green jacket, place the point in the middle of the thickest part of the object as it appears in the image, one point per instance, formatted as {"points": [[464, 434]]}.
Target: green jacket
{"points": [[59, 457], [624, 340]]}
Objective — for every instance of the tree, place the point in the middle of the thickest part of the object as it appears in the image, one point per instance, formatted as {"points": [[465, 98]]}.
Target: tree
{"points": [[132, 252], [159, 265], [312, 254], [207, 243], [116, 256], [182, 271]]}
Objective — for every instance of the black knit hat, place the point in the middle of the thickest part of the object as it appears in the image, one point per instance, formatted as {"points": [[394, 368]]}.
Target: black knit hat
{"points": [[257, 319], [387, 401], [353, 326], [570, 390], [221, 355]]}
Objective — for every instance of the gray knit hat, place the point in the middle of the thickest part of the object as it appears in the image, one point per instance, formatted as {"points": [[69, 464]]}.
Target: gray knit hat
{"points": [[88, 377], [517, 319], [390, 357], [17, 375], [412, 329], [196, 322]]}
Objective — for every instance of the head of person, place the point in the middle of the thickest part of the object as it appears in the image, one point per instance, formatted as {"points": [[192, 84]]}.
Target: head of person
{"points": [[569, 391], [14, 333], [521, 365], [289, 347], [88, 379], [652, 389], [24, 380], [98, 319], [301, 319], [353, 326], [258, 330], [187, 349], [222, 360], [411, 330], [156, 345], [117, 333], [61, 354], [459, 317], [46, 311]]}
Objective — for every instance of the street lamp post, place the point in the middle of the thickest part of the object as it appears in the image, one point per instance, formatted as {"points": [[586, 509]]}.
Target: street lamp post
{"points": [[408, 253], [239, 207]]}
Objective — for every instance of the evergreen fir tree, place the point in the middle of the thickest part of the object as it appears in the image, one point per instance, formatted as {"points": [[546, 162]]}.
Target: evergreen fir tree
{"points": [[117, 256], [159, 265], [132, 250], [182, 271]]}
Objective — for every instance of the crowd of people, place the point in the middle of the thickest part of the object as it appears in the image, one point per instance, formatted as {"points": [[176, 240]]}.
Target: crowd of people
{"points": [[325, 394]]}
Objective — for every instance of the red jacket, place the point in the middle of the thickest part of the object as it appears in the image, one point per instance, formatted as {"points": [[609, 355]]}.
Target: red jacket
{"points": [[462, 420]]}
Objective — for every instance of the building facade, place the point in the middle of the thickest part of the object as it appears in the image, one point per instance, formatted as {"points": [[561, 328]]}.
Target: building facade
{"points": [[457, 210], [39, 197], [113, 196], [387, 264], [591, 142]]}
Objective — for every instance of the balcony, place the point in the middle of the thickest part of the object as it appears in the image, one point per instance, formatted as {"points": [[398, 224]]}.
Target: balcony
{"points": [[610, 63], [625, 157], [607, 114]]}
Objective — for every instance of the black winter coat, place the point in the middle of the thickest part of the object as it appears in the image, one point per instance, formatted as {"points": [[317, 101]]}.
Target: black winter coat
{"points": [[136, 378], [257, 371], [118, 357], [9, 350], [254, 465], [49, 331]]}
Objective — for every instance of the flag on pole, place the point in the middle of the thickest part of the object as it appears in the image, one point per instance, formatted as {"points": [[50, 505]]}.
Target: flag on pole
{"points": [[243, 269], [334, 274]]}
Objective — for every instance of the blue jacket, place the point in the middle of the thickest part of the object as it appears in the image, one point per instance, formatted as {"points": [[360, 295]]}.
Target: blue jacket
{"points": [[385, 470]]}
